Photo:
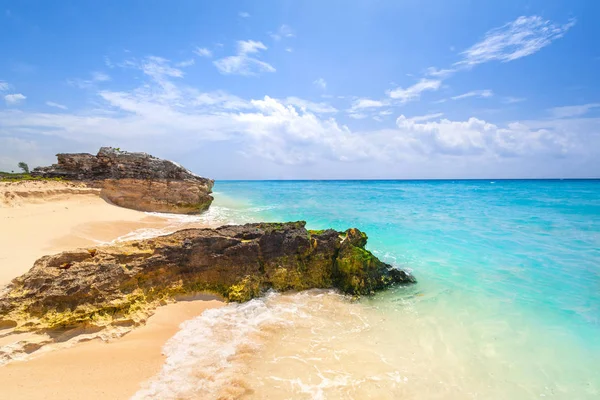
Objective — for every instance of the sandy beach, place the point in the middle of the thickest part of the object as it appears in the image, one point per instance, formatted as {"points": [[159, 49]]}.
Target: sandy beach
{"points": [[41, 218]]}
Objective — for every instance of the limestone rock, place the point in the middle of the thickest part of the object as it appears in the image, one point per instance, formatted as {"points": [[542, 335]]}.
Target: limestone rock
{"points": [[135, 180], [105, 285]]}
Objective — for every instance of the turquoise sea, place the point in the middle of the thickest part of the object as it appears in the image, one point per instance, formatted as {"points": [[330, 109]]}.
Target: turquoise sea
{"points": [[507, 304]]}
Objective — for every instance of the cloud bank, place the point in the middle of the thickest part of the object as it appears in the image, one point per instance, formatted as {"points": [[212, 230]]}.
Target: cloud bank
{"points": [[164, 114]]}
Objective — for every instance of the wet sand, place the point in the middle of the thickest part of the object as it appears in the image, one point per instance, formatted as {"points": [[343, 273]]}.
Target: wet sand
{"points": [[99, 370]]}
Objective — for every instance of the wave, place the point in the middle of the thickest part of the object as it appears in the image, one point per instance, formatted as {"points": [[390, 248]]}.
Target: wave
{"points": [[206, 356], [215, 216], [278, 346]]}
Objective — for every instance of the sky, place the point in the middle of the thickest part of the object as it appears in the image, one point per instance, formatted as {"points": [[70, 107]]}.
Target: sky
{"points": [[314, 89]]}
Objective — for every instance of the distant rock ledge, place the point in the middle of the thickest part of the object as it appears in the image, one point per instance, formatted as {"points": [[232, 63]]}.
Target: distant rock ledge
{"points": [[135, 180], [114, 285]]}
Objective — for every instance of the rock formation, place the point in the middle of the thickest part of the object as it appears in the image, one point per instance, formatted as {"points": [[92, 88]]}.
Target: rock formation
{"points": [[135, 180], [108, 285]]}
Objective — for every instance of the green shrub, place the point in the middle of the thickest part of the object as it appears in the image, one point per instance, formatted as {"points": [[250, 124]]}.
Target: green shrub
{"points": [[24, 167]]}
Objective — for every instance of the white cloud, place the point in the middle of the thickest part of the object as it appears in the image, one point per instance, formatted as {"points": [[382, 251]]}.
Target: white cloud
{"points": [[90, 83], [289, 49], [321, 83], [158, 66], [244, 14], [421, 118], [203, 52], [57, 105], [519, 38], [163, 113], [14, 99], [361, 104], [439, 73], [573, 111], [414, 92], [186, 63], [217, 100], [4, 86], [108, 62], [242, 63], [100, 77], [284, 31], [474, 93], [511, 100], [476, 137], [318, 108], [357, 115], [250, 46]]}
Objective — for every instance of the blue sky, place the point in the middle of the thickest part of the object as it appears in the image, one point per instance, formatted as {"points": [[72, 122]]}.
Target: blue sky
{"points": [[308, 89]]}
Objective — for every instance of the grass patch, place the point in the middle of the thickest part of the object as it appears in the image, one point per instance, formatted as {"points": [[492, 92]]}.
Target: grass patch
{"points": [[18, 177]]}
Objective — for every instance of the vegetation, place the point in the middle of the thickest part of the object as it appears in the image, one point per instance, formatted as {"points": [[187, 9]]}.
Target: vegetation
{"points": [[13, 176], [18, 177], [24, 167]]}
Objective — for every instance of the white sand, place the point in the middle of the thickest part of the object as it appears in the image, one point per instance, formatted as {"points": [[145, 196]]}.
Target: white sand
{"points": [[41, 218]]}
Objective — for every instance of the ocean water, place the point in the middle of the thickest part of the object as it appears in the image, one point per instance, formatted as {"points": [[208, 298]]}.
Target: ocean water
{"points": [[507, 304]]}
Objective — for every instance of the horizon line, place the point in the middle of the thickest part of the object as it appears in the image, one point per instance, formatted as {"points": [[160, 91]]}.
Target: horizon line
{"points": [[410, 179]]}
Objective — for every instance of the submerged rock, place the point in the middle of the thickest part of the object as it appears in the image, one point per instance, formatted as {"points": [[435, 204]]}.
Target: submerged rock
{"points": [[135, 180], [107, 285]]}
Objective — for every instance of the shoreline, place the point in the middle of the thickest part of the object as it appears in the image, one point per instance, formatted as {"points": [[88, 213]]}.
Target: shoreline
{"points": [[101, 370], [37, 222], [44, 218]]}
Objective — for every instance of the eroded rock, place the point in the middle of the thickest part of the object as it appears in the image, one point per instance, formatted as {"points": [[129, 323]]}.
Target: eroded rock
{"points": [[105, 285], [135, 180]]}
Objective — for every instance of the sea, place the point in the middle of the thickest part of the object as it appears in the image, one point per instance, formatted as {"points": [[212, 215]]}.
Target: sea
{"points": [[507, 303]]}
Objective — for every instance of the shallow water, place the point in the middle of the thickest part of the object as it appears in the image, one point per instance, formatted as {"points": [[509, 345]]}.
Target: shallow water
{"points": [[507, 304]]}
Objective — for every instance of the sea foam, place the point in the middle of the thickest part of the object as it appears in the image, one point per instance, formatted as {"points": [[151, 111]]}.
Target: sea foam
{"points": [[205, 359]]}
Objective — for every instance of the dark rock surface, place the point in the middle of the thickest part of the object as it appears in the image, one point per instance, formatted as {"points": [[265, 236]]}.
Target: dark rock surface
{"points": [[105, 285], [135, 180]]}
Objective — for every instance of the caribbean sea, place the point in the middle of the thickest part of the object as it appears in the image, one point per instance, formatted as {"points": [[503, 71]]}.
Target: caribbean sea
{"points": [[507, 304]]}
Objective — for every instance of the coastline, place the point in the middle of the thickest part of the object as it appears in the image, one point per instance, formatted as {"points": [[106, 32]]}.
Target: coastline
{"points": [[101, 370], [43, 218], [464, 329]]}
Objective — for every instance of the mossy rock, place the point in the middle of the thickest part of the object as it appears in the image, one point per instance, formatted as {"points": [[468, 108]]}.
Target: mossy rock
{"points": [[105, 285]]}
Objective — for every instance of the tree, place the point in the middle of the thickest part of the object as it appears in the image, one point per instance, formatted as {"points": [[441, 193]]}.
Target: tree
{"points": [[24, 167]]}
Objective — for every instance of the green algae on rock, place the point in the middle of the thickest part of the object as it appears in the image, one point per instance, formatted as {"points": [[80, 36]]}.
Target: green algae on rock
{"points": [[111, 285]]}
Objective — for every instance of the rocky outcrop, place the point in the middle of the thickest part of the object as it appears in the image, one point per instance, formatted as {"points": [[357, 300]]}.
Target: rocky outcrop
{"points": [[107, 285], [135, 180]]}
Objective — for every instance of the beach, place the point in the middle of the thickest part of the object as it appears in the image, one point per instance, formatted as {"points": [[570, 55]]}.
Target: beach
{"points": [[42, 218], [491, 315]]}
